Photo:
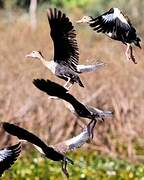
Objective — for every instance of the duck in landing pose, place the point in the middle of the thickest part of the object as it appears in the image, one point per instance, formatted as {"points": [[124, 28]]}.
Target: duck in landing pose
{"points": [[79, 109], [66, 52], [117, 26], [53, 152]]}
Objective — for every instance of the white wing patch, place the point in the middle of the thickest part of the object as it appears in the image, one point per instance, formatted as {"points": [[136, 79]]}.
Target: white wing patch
{"points": [[117, 14], [108, 17], [110, 34], [4, 154]]}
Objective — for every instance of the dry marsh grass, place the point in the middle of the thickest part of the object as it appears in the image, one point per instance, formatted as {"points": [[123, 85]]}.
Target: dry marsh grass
{"points": [[118, 87]]}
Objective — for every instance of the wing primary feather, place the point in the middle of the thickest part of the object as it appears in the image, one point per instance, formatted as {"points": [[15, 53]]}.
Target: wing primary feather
{"points": [[54, 89], [49, 152], [64, 39], [30, 137], [8, 156]]}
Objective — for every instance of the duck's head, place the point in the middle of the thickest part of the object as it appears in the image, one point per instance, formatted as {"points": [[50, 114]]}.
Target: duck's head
{"points": [[35, 55], [85, 19]]}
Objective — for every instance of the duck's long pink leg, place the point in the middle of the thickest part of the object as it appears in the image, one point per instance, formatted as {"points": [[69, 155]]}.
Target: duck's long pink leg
{"points": [[129, 53]]}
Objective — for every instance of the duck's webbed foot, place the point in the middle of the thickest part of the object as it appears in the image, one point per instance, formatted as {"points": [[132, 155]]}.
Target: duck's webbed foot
{"points": [[64, 166]]}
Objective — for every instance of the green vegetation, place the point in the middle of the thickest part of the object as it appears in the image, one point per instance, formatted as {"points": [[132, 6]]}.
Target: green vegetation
{"points": [[92, 166], [58, 3]]}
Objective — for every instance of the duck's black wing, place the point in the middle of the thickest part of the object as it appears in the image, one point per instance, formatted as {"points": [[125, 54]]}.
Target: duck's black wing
{"points": [[112, 21], [8, 156], [23, 134], [54, 89], [64, 38], [50, 87]]}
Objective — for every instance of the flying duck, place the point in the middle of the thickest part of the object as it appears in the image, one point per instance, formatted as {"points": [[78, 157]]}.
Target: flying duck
{"points": [[8, 156], [56, 152], [117, 26], [66, 52], [81, 110]]}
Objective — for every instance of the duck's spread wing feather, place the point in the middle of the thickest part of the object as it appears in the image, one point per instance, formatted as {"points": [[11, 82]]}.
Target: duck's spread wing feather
{"points": [[8, 156], [54, 89], [64, 38], [73, 143], [50, 87], [110, 22], [24, 134]]}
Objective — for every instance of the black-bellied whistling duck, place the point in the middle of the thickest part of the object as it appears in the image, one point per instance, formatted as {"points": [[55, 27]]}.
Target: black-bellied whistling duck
{"points": [[117, 26]]}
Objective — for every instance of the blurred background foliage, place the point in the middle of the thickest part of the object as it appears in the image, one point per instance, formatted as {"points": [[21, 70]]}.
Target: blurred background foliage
{"points": [[95, 6], [134, 8], [93, 167], [119, 87]]}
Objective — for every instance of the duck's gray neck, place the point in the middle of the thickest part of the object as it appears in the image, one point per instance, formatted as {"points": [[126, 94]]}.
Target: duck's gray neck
{"points": [[45, 63], [51, 65]]}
